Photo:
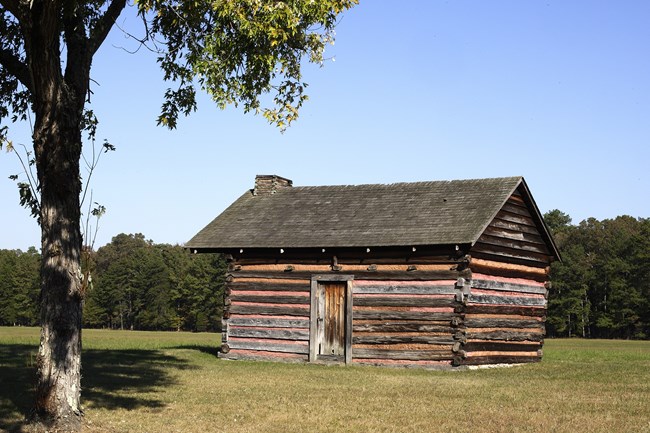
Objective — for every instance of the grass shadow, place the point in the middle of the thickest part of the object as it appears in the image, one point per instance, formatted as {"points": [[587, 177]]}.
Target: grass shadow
{"points": [[111, 379], [207, 349], [17, 380]]}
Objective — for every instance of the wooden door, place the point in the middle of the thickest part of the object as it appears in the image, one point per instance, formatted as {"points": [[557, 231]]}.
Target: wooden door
{"points": [[333, 343]]}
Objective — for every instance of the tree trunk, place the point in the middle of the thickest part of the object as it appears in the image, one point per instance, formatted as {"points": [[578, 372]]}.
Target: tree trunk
{"points": [[57, 145]]}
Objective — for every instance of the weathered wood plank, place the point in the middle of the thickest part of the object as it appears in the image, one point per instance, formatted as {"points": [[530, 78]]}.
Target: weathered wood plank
{"points": [[485, 360], [270, 347], [271, 299], [513, 244], [515, 218], [518, 235], [396, 301], [505, 309], [269, 286], [405, 290], [276, 334], [403, 327], [513, 207], [400, 315], [503, 224], [505, 300], [503, 323], [508, 287], [271, 323], [361, 274], [268, 310], [472, 346], [504, 336], [511, 254], [414, 355], [395, 339]]}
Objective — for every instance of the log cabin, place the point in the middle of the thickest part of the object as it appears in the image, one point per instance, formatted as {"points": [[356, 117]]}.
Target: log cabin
{"points": [[440, 274]]}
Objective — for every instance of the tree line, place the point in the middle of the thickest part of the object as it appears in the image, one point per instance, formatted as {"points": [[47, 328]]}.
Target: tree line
{"points": [[134, 284], [601, 289]]}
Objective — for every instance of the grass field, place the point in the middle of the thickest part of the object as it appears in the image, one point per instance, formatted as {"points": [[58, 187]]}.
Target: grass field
{"points": [[172, 382]]}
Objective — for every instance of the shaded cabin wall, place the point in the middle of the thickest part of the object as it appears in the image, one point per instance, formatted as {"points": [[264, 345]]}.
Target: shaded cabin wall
{"points": [[504, 311], [403, 314], [503, 320]]}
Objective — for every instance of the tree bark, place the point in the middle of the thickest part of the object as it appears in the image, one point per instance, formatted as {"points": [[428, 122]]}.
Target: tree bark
{"points": [[58, 107], [57, 142]]}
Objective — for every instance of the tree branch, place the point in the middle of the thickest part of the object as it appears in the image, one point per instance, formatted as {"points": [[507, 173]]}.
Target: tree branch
{"points": [[15, 7], [16, 67], [104, 25]]}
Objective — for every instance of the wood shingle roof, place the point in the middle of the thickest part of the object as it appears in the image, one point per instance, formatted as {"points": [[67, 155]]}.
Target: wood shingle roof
{"points": [[399, 214]]}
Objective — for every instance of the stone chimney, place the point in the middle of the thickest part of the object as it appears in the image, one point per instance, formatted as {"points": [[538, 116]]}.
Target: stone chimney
{"points": [[270, 184]]}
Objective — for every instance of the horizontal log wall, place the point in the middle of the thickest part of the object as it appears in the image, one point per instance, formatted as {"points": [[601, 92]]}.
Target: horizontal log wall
{"points": [[406, 322], [266, 318], [429, 315], [503, 320], [404, 314]]}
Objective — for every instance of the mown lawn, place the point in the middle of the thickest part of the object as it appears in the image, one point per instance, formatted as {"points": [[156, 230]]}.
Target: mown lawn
{"points": [[172, 382]]}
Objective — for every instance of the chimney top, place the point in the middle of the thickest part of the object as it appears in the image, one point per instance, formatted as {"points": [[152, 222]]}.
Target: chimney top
{"points": [[270, 184]]}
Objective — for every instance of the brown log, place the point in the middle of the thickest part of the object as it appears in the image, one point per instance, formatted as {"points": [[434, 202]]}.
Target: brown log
{"points": [[503, 224], [505, 309], [505, 336], [505, 286], [363, 275], [270, 322], [269, 310], [509, 253], [395, 339], [402, 327], [509, 243], [491, 267], [270, 347], [271, 299], [396, 301], [512, 217], [413, 355], [395, 289], [505, 300], [225, 348], [276, 334], [400, 315], [509, 233], [516, 208], [503, 323], [325, 268], [475, 346], [486, 360], [269, 285]]}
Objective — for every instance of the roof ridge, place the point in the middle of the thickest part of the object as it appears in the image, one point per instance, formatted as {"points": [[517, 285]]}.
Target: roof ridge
{"points": [[422, 182]]}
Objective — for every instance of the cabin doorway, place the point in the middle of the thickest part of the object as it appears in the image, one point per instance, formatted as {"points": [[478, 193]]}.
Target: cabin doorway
{"points": [[331, 319]]}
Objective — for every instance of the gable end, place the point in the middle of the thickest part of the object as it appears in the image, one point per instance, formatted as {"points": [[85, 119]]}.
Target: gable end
{"points": [[516, 234]]}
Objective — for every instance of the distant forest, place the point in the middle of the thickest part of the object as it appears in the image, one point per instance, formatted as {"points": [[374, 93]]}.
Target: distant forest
{"points": [[136, 284], [601, 289]]}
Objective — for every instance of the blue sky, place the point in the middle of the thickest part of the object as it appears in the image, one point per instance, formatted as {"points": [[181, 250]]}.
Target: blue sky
{"points": [[555, 91]]}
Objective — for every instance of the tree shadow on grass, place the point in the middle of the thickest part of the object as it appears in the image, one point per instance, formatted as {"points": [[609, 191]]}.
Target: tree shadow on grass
{"points": [[111, 379], [17, 379], [209, 350]]}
